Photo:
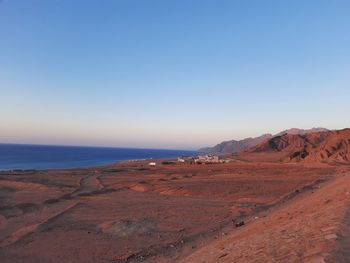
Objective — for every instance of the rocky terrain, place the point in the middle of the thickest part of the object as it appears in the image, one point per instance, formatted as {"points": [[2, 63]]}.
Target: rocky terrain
{"points": [[235, 146], [313, 227], [133, 213], [328, 146], [284, 200]]}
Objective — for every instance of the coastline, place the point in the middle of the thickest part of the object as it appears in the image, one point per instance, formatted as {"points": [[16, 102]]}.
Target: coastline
{"points": [[92, 167], [44, 157]]}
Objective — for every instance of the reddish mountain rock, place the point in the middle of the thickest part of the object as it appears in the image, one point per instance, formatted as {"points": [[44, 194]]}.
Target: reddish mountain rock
{"points": [[327, 146], [235, 146], [301, 131]]}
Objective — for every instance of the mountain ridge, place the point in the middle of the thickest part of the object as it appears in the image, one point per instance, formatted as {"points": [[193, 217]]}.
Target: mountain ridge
{"points": [[323, 146], [235, 146]]}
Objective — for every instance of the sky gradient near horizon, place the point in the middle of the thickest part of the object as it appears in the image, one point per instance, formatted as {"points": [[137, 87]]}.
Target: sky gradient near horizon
{"points": [[176, 74]]}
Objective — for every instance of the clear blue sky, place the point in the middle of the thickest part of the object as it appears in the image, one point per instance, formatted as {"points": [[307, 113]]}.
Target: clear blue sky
{"points": [[170, 73]]}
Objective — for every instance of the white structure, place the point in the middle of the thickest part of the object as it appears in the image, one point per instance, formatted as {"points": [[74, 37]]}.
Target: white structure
{"points": [[152, 164], [207, 159]]}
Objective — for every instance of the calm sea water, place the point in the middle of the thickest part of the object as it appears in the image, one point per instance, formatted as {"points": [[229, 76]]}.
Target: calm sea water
{"points": [[15, 156]]}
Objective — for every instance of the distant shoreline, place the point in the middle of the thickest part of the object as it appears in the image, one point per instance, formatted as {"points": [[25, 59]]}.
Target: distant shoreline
{"points": [[92, 146], [98, 166], [49, 157]]}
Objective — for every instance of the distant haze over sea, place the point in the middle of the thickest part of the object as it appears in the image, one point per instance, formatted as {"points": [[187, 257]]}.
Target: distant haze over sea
{"points": [[19, 156]]}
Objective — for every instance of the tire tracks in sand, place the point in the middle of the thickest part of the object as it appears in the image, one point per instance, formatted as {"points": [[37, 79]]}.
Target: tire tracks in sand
{"points": [[25, 231]]}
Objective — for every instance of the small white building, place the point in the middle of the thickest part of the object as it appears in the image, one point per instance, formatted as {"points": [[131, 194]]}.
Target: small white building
{"points": [[152, 164], [180, 160]]}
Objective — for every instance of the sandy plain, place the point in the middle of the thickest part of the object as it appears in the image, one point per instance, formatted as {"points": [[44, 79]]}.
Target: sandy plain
{"points": [[130, 212]]}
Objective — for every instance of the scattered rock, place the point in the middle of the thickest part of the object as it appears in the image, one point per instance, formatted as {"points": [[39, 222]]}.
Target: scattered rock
{"points": [[331, 236], [326, 229], [239, 224], [223, 255], [300, 253]]}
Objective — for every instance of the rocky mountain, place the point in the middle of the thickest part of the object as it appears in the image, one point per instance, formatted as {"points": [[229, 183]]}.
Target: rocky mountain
{"points": [[235, 146], [301, 131], [324, 146]]}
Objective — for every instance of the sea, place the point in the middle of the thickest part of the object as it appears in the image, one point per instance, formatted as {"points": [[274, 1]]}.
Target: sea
{"points": [[19, 156]]}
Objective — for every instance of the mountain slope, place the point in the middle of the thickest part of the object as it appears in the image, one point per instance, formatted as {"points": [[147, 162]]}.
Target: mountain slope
{"points": [[329, 146], [234, 146], [304, 229], [301, 131]]}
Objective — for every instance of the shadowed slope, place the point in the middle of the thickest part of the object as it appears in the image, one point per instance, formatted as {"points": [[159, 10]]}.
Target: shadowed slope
{"points": [[330, 146], [235, 146]]}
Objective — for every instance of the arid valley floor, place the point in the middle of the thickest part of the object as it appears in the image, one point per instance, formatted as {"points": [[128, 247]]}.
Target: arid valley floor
{"points": [[130, 212]]}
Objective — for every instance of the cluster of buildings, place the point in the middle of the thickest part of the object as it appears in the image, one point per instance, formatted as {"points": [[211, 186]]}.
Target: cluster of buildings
{"points": [[200, 159]]}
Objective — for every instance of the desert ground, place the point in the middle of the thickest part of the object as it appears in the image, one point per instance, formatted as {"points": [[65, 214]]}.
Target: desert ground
{"points": [[129, 212]]}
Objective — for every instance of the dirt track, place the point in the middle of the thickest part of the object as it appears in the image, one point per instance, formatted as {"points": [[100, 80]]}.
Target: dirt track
{"points": [[187, 213]]}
